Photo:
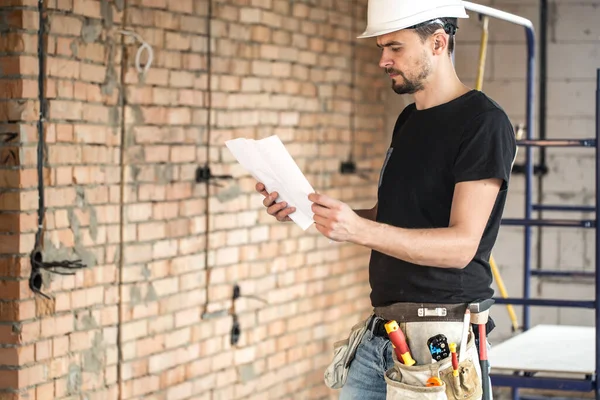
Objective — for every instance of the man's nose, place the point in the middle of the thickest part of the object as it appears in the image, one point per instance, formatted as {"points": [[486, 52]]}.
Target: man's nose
{"points": [[385, 61]]}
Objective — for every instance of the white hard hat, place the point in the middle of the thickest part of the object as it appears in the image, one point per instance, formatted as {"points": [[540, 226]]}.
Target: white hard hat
{"points": [[385, 16]]}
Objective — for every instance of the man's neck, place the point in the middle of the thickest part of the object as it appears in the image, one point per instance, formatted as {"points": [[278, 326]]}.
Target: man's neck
{"points": [[441, 88]]}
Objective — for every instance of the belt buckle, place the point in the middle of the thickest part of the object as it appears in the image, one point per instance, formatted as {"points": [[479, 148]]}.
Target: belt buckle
{"points": [[432, 312]]}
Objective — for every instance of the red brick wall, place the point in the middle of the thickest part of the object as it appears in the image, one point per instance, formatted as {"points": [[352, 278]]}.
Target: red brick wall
{"points": [[151, 315], [16, 118]]}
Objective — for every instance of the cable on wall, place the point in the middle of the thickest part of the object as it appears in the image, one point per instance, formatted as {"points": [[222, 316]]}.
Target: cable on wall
{"points": [[37, 259], [352, 80], [145, 46], [122, 149], [204, 174], [349, 166]]}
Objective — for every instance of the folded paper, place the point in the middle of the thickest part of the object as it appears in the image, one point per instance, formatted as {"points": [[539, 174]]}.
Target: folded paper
{"points": [[269, 162]]}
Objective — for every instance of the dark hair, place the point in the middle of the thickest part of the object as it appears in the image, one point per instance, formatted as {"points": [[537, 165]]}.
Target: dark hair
{"points": [[426, 29]]}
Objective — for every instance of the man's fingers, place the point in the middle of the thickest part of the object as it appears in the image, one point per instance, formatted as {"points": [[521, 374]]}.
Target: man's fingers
{"points": [[283, 215], [270, 198], [323, 230], [322, 211], [321, 221], [277, 207], [260, 188], [280, 210], [323, 200], [268, 201]]}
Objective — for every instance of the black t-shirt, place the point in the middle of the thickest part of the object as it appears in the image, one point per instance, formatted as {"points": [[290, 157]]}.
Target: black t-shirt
{"points": [[468, 138]]}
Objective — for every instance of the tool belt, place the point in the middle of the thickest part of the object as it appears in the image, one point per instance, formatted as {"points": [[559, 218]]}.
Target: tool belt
{"points": [[410, 382], [405, 382], [422, 312]]}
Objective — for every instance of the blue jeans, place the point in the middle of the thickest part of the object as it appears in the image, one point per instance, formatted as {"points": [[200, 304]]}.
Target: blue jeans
{"points": [[365, 378]]}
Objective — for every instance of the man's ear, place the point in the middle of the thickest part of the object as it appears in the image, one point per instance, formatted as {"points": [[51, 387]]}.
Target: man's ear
{"points": [[440, 42]]}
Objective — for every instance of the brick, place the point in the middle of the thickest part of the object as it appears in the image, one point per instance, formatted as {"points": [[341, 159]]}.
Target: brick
{"points": [[196, 25], [9, 379], [45, 391], [250, 15], [63, 68], [154, 3], [9, 311], [32, 375], [13, 88], [177, 41], [226, 12], [181, 79], [10, 65], [60, 109], [185, 6], [26, 354], [43, 350], [18, 42], [88, 8], [65, 25], [261, 34], [95, 114], [93, 73], [9, 356]]}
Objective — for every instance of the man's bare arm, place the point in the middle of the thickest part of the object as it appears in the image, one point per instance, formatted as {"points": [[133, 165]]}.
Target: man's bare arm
{"points": [[451, 247]]}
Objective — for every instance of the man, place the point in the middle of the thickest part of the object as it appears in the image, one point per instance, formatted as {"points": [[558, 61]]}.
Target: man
{"points": [[441, 194]]}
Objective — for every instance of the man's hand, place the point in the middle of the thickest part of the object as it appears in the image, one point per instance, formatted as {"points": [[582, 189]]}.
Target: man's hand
{"points": [[279, 210], [334, 219]]}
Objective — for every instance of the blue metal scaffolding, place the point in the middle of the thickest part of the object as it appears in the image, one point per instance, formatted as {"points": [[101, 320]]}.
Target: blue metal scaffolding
{"points": [[519, 370], [526, 378]]}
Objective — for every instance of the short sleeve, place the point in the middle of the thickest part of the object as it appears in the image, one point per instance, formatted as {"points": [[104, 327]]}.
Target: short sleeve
{"points": [[487, 149]]}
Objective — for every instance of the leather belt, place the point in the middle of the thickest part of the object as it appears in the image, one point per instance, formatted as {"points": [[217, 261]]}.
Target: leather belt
{"points": [[422, 312]]}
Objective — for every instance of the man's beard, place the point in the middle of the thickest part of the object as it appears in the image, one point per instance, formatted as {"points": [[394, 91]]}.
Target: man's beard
{"points": [[410, 86]]}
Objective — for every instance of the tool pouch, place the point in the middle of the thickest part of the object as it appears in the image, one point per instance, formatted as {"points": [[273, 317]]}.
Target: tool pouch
{"points": [[410, 382], [343, 354]]}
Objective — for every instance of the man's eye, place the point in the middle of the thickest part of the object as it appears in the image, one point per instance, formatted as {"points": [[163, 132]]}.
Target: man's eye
{"points": [[396, 49]]}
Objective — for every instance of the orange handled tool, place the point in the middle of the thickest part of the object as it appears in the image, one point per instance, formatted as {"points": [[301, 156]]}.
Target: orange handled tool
{"points": [[399, 343], [434, 381]]}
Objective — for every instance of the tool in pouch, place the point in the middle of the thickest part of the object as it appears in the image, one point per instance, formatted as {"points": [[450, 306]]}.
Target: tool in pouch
{"points": [[336, 372], [438, 347], [399, 342], [442, 379]]}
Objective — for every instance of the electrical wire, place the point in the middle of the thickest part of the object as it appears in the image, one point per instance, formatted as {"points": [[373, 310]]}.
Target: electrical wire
{"points": [[208, 140], [352, 80], [36, 257], [121, 265], [145, 46], [40, 124]]}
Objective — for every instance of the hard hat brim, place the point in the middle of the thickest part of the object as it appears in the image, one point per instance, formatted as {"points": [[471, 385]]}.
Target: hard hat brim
{"points": [[397, 25]]}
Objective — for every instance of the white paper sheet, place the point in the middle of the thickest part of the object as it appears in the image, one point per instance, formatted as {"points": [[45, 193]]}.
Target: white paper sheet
{"points": [[269, 162]]}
